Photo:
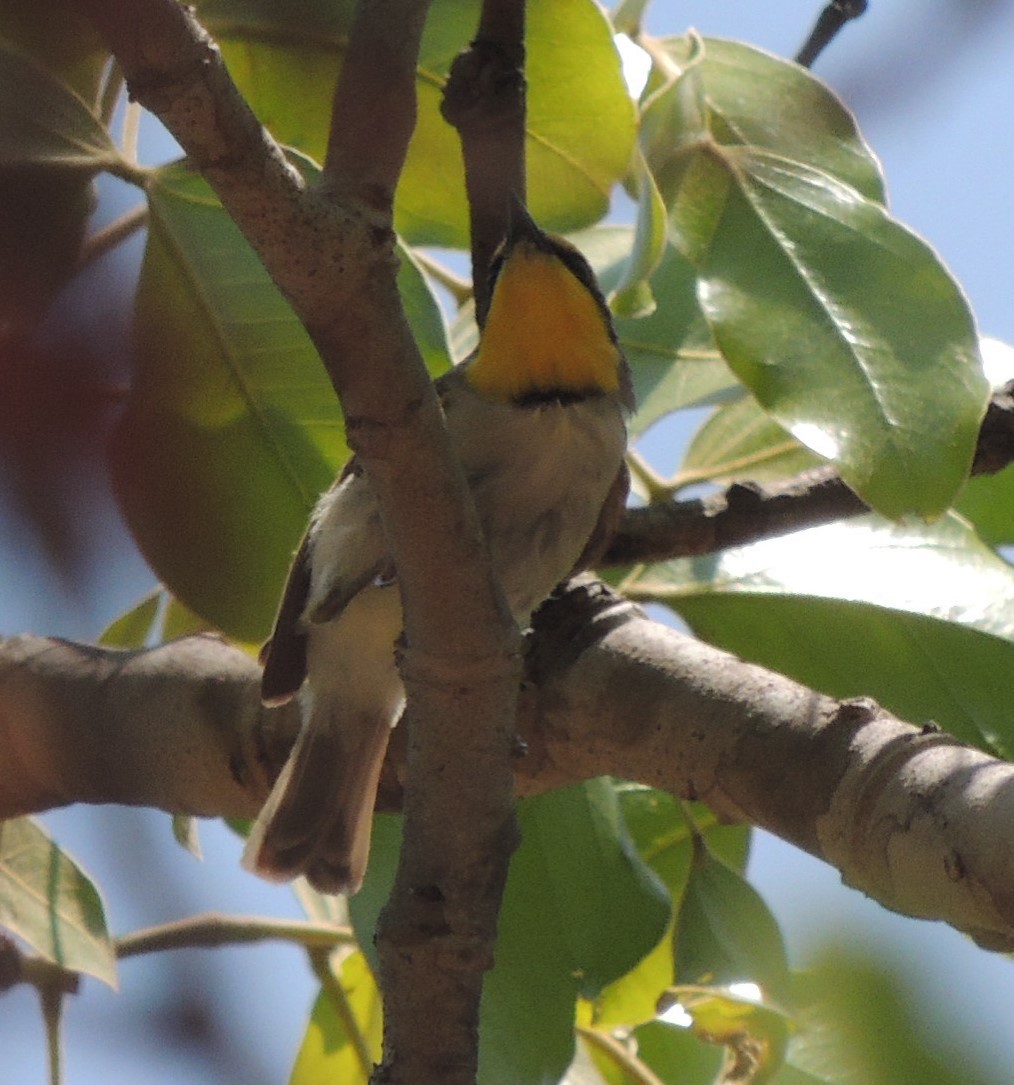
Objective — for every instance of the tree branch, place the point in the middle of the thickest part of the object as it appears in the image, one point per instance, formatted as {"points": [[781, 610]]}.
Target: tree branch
{"points": [[909, 815], [747, 512], [484, 99], [829, 23], [331, 252]]}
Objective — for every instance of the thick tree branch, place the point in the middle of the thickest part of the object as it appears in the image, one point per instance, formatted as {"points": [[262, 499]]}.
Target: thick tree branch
{"points": [[747, 512], [909, 815], [179, 727], [330, 249]]}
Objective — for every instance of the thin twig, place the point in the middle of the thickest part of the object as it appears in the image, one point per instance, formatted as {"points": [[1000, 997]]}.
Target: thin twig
{"points": [[748, 512], [828, 23]]}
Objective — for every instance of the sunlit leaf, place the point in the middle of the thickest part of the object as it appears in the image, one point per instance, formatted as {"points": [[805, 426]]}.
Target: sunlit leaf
{"points": [[741, 442], [186, 834], [987, 501], [580, 910], [725, 932], [632, 295], [285, 57], [919, 616], [49, 901], [753, 1034], [133, 628], [748, 97], [232, 428], [878, 371], [663, 837], [342, 1041], [844, 325]]}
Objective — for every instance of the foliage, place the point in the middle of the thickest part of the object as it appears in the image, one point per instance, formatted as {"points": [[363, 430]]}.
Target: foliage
{"points": [[737, 289]]}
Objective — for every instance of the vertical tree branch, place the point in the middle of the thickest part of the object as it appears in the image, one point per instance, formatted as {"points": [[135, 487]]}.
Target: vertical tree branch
{"points": [[331, 252], [374, 109], [485, 101]]}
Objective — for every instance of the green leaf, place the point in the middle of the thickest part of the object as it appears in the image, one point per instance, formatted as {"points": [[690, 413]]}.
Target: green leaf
{"points": [[58, 36], [740, 442], [919, 616], [672, 356], [857, 1025], [44, 123], [186, 835], [50, 148], [632, 295], [746, 97], [877, 371], [285, 57], [133, 628], [725, 933], [609, 904], [49, 901], [580, 910], [343, 1041], [232, 428], [659, 829], [778, 202], [663, 837], [676, 1055], [987, 501], [754, 1034]]}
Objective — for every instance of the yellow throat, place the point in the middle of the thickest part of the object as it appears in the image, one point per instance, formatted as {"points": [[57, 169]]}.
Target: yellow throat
{"points": [[544, 333]]}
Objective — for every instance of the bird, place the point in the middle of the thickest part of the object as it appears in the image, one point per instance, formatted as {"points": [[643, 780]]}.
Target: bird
{"points": [[537, 416]]}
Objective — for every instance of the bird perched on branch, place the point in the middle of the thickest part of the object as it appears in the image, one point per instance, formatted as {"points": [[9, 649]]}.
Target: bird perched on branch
{"points": [[537, 418]]}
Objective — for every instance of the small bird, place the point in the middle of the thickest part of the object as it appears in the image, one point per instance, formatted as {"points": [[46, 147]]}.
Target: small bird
{"points": [[537, 416]]}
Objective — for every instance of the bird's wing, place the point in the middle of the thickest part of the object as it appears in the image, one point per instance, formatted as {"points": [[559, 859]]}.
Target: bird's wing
{"points": [[342, 551], [284, 654], [607, 523]]}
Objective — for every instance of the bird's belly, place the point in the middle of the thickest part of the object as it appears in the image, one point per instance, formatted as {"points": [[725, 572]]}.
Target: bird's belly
{"points": [[539, 507]]}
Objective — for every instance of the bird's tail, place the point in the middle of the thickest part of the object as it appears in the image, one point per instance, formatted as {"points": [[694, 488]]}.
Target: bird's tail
{"points": [[318, 817]]}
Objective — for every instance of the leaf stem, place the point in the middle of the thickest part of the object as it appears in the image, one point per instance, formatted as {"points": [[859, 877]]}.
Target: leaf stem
{"points": [[109, 95], [102, 241], [129, 132], [213, 929], [457, 286], [735, 465], [51, 996], [320, 962], [630, 1064], [657, 488]]}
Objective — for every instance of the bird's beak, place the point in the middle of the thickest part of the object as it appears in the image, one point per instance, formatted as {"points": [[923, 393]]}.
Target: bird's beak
{"points": [[520, 224]]}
